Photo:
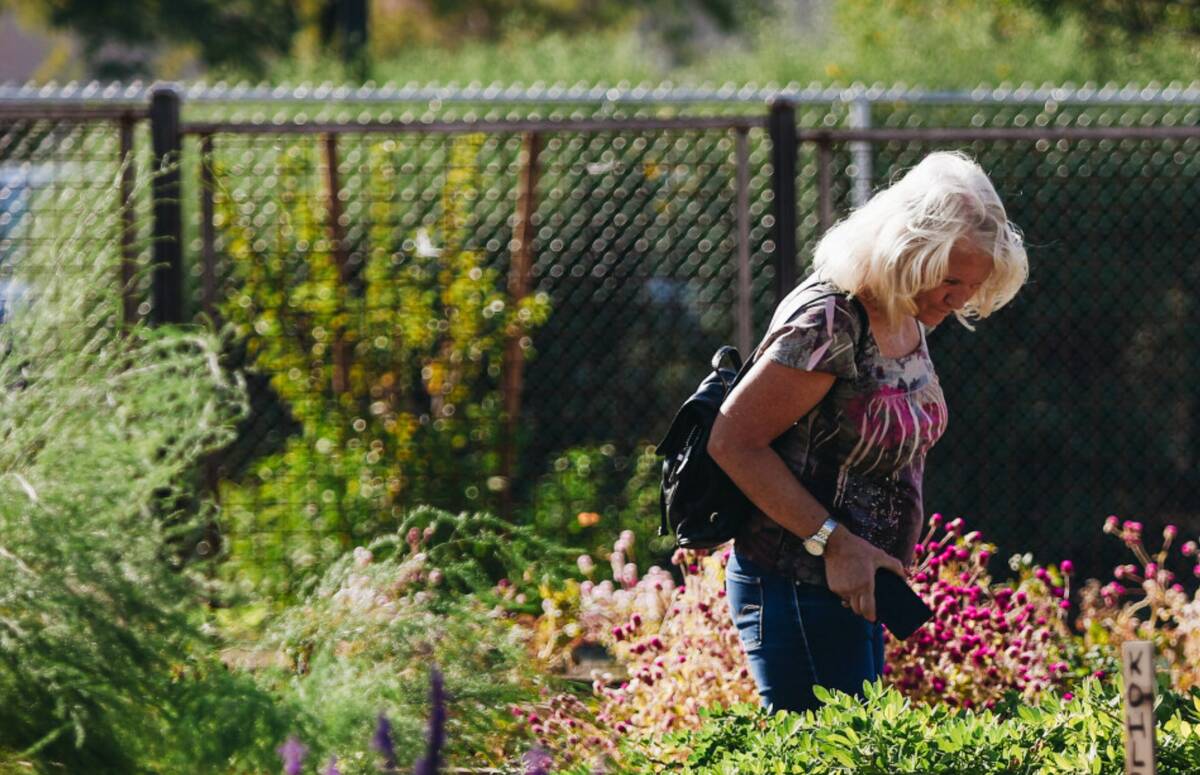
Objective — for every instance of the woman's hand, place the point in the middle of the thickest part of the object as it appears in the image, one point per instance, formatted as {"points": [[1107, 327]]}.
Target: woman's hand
{"points": [[850, 565]]}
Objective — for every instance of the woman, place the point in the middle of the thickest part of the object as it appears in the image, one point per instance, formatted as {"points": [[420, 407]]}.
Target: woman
{"points": [[827, 433]]}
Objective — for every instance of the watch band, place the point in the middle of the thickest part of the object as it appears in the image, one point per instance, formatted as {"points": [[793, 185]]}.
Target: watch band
{"points": [[815, 544]]}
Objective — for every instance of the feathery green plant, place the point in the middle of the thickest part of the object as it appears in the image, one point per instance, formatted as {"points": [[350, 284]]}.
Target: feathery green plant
{"points": [[103, 667]]}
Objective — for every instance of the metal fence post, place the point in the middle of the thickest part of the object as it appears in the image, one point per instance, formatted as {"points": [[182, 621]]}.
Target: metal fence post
{"points": [[860, 152], [166, 289], [782, 124], [745, 328]]}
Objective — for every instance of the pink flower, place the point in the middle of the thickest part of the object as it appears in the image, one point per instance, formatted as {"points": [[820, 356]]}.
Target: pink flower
{"points": [[1066, 567], [1169, 532], [1189, 548], [1110, 524]]}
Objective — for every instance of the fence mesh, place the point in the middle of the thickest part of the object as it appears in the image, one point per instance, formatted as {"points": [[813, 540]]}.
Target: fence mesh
{"points": [[1075, 402]]}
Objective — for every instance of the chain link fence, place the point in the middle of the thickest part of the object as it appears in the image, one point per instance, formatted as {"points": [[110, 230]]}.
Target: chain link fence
{"points": [[653, 221]]}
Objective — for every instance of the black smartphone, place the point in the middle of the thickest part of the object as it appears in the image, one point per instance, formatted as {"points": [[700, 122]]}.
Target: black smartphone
{"points": [[900, 609]]}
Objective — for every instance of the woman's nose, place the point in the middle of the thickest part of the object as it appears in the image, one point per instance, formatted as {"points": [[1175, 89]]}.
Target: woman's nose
{"points": [[957, 299]]}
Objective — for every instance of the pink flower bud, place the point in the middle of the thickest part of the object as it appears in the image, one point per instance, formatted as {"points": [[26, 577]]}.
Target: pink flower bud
{"points": [[1189, 549], [1066, 567], [935, 520], [1169, 532], [1111, 524]]}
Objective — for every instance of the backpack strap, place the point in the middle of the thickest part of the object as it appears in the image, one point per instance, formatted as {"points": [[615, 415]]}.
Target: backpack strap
{"points": [[864, 328]]}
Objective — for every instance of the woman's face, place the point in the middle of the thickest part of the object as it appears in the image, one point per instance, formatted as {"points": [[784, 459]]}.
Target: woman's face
{"points": [[968, 268]]}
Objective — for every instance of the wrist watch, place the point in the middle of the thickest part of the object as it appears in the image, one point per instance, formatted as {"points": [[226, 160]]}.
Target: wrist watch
{"points": [[815, 544]]}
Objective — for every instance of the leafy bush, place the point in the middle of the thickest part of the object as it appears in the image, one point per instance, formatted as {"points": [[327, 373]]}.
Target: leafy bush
{"points": [[675, 650], [391, 374], [887, 733], [103, 667], [362, 643], [592, 493], [1146, 602]]}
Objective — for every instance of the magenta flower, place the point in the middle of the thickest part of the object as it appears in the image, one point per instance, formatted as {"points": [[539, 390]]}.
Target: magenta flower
{"points": [[1067, 567]]}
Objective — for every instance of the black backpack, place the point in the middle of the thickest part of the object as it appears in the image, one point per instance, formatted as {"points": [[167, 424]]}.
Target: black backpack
{"points": [[700, 506]]}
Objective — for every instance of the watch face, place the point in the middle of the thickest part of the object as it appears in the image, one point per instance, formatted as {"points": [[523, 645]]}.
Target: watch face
{"points": [[814, 547]]}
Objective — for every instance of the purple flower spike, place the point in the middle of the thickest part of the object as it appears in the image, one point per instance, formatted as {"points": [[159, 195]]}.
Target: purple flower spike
{"points": [[292, 752], [537, 762], [381, 741], [431, 763], [332, 768]]}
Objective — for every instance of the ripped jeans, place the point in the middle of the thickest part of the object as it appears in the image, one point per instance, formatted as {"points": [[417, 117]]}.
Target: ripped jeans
{"points": [[799, 635]]}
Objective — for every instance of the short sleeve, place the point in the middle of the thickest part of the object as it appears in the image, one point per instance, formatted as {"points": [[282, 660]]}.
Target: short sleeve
{"points": [[821, 338]]}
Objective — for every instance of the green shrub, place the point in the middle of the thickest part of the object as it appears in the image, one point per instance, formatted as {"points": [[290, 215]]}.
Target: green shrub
{"points": [[392, 374], [887, 734], [590, 494], [103, 667], [363, 642]]}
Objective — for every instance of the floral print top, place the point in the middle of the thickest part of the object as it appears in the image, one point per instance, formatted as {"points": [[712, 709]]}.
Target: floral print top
{"points": [[861, 450]]}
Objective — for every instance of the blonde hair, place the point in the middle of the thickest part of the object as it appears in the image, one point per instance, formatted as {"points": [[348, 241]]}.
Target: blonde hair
{"points": [[898, 244]]}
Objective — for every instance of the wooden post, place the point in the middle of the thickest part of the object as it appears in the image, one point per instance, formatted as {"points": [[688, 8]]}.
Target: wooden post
{"points": [[341, 356], [518, 288], [1137, 665], [208, 235], [129, 301], [167, 284]]}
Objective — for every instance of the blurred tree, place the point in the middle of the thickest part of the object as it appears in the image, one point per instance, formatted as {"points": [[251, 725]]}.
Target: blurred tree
{"points": [[119, 37], [401, 23], [1114, 21], [343, 27]]}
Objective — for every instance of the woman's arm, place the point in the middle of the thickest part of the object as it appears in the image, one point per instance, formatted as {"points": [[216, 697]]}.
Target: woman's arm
{"points": [[768, 401]]}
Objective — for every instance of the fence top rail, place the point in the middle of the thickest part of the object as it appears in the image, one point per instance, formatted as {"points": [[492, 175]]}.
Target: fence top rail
{"points": [[60, 112], [206, 129], [548, 126], [954, 134], [619, 94]]}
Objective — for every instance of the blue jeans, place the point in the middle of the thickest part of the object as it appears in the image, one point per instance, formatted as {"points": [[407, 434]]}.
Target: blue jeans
{"points": [[799, 635]]}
